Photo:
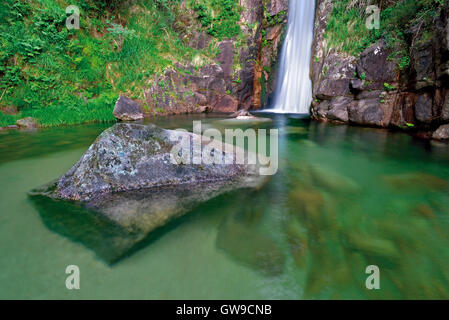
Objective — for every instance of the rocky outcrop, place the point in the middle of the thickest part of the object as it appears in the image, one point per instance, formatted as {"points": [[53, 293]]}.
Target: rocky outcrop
{"points": [[240, 77], [370, 90], [187, 90], [127, 110]]}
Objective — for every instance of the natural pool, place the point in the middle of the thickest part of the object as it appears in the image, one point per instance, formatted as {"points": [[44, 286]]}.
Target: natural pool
{"points": [[343, 198]]}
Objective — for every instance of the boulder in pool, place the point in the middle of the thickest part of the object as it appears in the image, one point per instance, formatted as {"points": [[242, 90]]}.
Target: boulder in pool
{"points": [[128, 179]]}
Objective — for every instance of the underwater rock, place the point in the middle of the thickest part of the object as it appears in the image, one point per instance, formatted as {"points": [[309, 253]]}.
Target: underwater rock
{"points": [[251, 247], [127, 110], [419, 182], [298, 241], [328, 179]]}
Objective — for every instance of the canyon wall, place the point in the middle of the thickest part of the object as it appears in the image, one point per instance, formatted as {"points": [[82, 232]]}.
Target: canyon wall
{"points": [[370, 90]]}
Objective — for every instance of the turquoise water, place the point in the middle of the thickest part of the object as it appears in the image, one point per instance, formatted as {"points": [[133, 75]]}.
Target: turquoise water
{"points": [[343, 198]]}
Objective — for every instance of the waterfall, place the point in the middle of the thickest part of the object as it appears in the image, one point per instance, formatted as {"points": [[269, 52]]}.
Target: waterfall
{"points": [[294, 88]]}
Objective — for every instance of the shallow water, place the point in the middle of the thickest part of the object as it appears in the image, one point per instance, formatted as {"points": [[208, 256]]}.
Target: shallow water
{"points": [[343, 198]]}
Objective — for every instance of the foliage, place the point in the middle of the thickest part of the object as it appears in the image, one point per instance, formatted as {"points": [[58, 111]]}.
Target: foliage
{"points": [[220, 17], [346, 30], [66, 76]]}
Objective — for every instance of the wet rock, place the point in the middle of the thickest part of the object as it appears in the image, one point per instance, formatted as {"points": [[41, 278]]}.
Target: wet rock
{"points": [[12, 127], [338, 109], [127, 110], [423, 108], [27, 123], [423, 64], [442, 133], [128, 157], [366, 112], [415, 182]]}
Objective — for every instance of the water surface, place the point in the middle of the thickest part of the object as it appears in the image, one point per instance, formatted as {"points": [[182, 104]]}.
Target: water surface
{"points": [[343, 198]]}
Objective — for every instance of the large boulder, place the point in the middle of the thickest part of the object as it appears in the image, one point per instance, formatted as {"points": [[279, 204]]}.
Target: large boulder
{"points": [[129, 157], [126, 185], [127, 110]]}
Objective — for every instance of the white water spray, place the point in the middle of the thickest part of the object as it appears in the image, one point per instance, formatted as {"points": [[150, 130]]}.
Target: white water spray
{"points": [[294, 88]]}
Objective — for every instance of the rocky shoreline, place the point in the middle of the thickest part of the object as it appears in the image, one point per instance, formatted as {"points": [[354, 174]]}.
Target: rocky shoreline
{"points": [[368, 90]]}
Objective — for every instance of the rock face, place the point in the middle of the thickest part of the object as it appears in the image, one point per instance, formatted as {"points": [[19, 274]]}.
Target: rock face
{"points": [[240, 77], [369, 89], [127, 185], [127, 110]]}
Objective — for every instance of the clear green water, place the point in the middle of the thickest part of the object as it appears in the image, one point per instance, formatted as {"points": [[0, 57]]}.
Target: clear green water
{"points": [[343, 198]]}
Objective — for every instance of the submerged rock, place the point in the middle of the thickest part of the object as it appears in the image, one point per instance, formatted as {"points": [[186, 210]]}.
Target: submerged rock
{"points": [[127, 110], [419, 182], [250, 247], [127, 180]]}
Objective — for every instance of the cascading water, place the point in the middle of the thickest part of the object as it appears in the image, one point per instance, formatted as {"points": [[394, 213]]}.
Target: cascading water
{"points": [[294, 88]]}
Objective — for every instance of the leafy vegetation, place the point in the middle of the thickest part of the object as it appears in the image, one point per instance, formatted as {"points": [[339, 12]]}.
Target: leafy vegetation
{"points": [[63, 76], [347, 31], [220, 17]]}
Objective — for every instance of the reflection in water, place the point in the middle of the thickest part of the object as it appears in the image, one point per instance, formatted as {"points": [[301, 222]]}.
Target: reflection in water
{"points": [[344, 198]]}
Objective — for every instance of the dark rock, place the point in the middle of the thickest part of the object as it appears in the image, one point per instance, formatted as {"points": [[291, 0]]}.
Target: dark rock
{"points": [[27, 123], [370, 94], [445, 108], [321, 109], [226, 57], [442, 133], [127, 110], [366, 112], [357, 84], [375, 65], [402, 105], [338, 109], [423, 108], [423, 64]]}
